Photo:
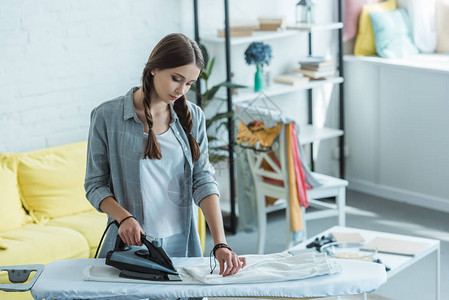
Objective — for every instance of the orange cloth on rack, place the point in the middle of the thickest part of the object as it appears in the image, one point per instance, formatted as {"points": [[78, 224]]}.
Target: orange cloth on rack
{"points": [[296, 217], [256, 132]]}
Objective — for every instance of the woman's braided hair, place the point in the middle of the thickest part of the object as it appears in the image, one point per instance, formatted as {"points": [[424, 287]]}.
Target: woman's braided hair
{"points": [[174, 50]]}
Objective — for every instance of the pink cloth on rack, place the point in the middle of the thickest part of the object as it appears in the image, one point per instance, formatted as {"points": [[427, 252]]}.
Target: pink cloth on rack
{"points": [[301, 184]]}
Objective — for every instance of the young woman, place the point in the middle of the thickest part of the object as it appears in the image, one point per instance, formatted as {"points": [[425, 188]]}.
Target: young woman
{"points": [[147, 159]]}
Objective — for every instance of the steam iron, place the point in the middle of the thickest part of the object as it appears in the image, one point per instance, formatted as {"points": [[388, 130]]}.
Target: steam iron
{"points": [[135, 262]]}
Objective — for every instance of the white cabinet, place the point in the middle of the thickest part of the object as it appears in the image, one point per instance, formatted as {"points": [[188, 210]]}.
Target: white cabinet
{"points": [[400, 139]]}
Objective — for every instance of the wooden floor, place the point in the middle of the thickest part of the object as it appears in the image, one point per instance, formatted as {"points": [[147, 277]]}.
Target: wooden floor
{"points": [[368, 212]]}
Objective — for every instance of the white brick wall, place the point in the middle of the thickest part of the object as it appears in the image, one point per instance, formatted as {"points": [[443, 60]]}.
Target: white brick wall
{"points": [[60, 58]]}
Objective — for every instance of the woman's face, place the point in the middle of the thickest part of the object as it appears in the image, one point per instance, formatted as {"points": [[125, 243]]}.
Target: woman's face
{"points": [[170, 84]]}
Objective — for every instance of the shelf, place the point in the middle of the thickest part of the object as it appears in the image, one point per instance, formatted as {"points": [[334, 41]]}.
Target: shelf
{"points": [[433, 62], [315, 27], [291, 30], [257, 36], [309, 134], [275, 89]]}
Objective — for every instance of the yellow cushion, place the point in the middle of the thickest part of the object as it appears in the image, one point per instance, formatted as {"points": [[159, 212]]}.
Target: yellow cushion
{"points": [[90, 224], [3, 245], [39, 244], [442, 14], [365, 43], [12, 214], [57, 149], [52, 181], [42, 244]]}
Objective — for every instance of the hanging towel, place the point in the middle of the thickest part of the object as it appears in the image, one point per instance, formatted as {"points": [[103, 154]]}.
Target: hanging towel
{"points": [[296, 217], [299, 172]]}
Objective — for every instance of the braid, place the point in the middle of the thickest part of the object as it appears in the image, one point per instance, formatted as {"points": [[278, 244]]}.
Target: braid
{"points": [[185, 118], [152, 149]]}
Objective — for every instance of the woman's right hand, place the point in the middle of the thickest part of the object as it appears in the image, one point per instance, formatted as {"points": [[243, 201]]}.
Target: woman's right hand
{"points": [[130, 232]]}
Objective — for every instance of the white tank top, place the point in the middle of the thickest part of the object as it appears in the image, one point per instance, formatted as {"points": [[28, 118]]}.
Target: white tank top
{"points": [[160, 185]]}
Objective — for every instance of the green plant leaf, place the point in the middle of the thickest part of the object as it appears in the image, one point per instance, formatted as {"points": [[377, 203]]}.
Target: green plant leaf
{"points": [[204, 75], [232, 85], [195, 90], [210, 94], [205, 53], [225, 123], [219, 116], [210, 66], [214, 158]]}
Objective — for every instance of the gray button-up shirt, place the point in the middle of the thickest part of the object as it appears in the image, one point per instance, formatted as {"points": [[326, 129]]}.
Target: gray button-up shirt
{"points": [[115, 147]]}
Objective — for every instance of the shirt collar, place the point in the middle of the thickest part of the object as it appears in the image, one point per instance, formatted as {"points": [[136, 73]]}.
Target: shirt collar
{"points": [[174, 116], [128, 109]]}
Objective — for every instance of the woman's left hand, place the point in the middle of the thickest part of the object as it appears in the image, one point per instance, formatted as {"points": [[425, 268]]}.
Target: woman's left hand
{"points": [[231, 260]]}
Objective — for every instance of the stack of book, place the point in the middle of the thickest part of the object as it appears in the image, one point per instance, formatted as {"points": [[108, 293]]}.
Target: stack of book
{"points": [[316, 67], [240, 28], [291, 79], [271, 24]]}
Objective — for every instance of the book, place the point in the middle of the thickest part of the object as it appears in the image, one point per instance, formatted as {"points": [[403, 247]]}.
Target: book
{"points": [[244, 24], [263, 27], [271, 20], [319, 68], [397, 246], [318, 64], [291, 79], [314, 59], [235, 32], [315, 74], [240, 28], [347, 237], [271, 23]]}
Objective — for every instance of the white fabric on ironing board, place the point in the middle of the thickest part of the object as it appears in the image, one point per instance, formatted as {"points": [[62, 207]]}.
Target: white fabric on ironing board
{"points": [[260, 268], [63, 280], [267, 268]]}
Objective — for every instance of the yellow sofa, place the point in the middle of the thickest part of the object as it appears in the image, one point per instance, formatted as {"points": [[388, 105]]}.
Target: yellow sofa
{"points": [[44, 214]]}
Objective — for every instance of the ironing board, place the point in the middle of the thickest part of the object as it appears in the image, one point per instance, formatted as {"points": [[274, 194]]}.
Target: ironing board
{"points": [[63, 280]]}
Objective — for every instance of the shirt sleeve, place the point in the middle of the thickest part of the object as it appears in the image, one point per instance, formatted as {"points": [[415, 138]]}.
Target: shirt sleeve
{"points": [[96, 182], [204, 183]]}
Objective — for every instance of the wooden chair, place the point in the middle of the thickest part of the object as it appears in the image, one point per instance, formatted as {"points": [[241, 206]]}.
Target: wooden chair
{"points": [[267, 184]]}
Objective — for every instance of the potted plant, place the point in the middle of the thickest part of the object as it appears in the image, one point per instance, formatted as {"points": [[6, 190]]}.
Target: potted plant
{"points": [[219, 119]]}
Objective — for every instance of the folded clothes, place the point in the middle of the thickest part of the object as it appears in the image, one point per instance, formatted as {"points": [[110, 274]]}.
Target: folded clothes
{"points": [[267, 268], [260, 268]]}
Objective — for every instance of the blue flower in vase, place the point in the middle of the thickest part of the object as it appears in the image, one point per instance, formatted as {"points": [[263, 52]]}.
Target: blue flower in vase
{"points": [[259, 54]]}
